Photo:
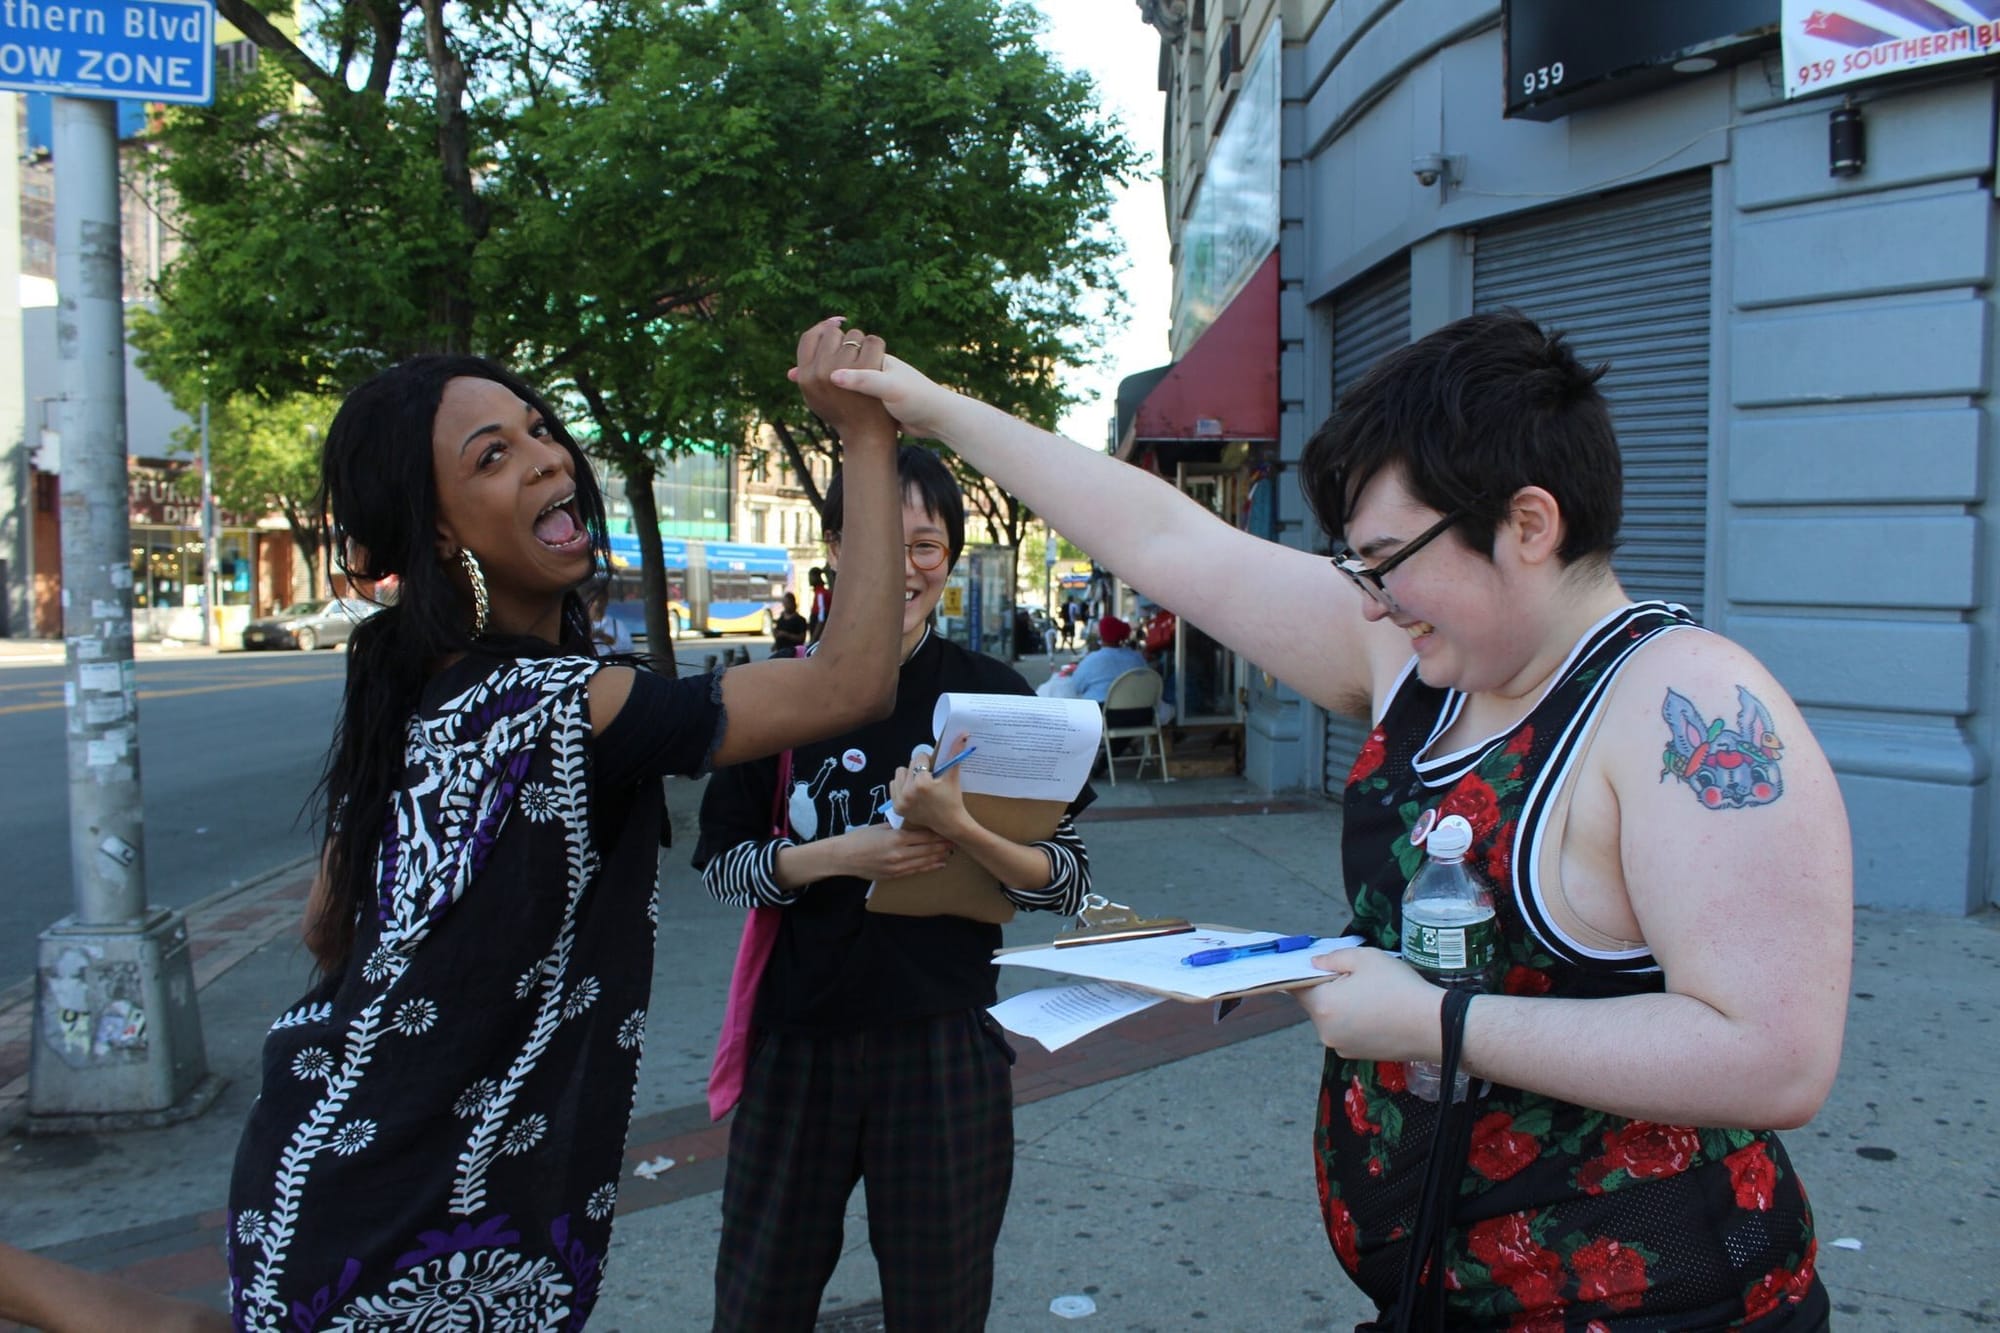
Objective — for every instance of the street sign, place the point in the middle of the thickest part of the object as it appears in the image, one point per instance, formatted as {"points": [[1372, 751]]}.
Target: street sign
{"points": [[147, 50]]}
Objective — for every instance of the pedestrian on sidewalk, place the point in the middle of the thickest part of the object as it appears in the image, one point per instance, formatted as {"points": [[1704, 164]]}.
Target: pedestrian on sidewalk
{"points": [[1111, 659], [821, 605], [441, 1120], [789, 630], [875, 1058], [1674, 884]]}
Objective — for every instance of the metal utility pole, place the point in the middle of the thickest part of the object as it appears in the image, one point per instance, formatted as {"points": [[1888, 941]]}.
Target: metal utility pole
{"points": [[117, 1039], [208, 622]]}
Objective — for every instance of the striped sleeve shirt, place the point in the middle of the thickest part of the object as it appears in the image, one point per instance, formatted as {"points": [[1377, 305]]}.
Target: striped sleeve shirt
{"points": [[746, 875]]}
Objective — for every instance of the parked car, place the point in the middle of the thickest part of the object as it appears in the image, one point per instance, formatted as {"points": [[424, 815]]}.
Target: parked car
{"points": [[308, 625]]}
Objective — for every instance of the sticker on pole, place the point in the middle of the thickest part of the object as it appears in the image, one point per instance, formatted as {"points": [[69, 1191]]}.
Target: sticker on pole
{"points": [[144, 50]]}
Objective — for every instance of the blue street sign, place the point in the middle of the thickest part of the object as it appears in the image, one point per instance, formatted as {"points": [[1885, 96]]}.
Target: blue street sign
{"points": [[146, 50]]}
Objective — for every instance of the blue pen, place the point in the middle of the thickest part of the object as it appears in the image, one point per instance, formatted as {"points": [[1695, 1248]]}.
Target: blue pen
{"points": [[954, 761], [1208, 957]]}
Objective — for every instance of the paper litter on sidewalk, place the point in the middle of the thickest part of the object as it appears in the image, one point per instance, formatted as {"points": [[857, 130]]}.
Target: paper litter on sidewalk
{"points": [[654, 1168], [1055, 1016]]}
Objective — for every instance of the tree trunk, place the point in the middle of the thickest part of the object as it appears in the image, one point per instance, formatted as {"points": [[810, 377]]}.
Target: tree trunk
{"points": [[636, 466], [310, 537], [639, 474], [454, 133], [308, 544], [798, 457]]}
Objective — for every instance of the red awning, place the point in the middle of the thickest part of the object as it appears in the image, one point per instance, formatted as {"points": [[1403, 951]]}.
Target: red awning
{"points": [[1226, 386]]}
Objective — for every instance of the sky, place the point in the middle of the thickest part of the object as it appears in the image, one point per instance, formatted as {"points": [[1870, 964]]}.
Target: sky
{"points": [[1107, 40]]}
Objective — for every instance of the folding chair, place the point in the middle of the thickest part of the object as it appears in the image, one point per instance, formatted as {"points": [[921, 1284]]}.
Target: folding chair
{"points": [[1136, 692]]}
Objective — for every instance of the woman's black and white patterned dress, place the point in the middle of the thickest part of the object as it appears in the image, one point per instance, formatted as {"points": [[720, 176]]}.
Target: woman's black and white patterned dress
{"points": [[438, 1138]]}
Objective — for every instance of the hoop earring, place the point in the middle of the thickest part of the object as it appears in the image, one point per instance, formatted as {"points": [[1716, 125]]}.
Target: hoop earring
{"points": [[477, 577]]}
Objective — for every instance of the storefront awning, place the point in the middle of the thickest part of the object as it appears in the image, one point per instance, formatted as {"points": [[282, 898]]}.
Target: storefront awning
{"points": [[1224, 388]]}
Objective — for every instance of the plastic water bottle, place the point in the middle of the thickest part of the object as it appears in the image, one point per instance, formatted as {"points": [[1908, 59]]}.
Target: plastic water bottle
{"points": [[1449, 932]]}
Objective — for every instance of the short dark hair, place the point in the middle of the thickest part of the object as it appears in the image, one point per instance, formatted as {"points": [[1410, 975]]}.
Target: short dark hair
{"points": [[1470, 414], [925, 478]]}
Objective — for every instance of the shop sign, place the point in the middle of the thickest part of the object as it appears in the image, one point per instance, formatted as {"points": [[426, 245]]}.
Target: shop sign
{"points": [[1828, 45], [1233, 224], [158, 500], [1565, 55], [160, 497]]}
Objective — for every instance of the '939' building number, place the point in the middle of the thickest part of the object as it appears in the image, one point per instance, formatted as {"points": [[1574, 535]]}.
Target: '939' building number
{"points": [[1541, 80]]}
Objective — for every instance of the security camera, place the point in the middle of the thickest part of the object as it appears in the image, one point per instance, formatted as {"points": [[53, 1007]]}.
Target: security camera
{"points": [[1429, 169]]}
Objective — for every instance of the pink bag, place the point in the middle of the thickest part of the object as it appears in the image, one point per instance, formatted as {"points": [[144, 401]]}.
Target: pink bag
{"points": [[753, 951]]}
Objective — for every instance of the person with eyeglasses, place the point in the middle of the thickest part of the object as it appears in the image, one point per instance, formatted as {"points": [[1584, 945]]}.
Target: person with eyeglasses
{"points": [[1668, 847], [874, 1057]]}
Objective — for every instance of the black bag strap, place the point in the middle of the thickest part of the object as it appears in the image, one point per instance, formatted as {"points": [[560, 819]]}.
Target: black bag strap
{"points": [[1420, 1304]]}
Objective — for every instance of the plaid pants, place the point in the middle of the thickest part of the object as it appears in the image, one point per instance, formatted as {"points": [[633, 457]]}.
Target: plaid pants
{"points": [[923, 1113]]}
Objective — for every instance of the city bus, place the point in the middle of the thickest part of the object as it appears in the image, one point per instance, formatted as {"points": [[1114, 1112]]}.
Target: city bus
{"points": [[713, 587]]}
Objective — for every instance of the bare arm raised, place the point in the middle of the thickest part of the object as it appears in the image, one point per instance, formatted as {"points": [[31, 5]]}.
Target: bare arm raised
{"points": [[1286, 610], [851, 680]]}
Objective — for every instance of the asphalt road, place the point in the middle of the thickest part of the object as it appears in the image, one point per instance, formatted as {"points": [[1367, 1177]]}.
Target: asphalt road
{"points": [[230, 747]]}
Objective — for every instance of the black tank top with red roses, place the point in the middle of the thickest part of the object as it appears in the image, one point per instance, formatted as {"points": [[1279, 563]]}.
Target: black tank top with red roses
{"points": [[1567, 1217]]}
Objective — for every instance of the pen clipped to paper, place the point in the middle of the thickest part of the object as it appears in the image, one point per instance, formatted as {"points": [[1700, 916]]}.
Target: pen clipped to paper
{"points": [[1210, 957]]}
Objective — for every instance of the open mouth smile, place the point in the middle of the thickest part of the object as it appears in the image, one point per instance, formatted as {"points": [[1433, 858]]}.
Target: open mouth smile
{"points": [[558, 528]]}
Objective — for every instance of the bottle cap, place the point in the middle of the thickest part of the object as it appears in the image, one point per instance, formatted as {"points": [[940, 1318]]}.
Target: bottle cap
{"points": [[1450, 840]]}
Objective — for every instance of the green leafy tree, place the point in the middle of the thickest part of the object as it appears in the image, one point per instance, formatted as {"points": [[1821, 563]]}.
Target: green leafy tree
{"points": [[639, 203], [726, 173], [328, 203], [264, 453], [263, 458]]}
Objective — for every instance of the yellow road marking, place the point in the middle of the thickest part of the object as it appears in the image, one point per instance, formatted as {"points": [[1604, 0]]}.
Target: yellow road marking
{"points": [[174, 694]]}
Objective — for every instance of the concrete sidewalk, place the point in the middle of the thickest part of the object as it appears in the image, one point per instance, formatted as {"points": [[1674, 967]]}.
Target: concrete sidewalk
{"points": [[49, 652], [1164, 1165]]}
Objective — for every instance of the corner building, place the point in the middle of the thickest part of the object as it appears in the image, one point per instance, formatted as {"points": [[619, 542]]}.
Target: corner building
{"points": [[1795, 295]]}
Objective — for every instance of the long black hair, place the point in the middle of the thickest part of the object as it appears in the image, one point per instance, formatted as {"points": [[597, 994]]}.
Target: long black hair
{"points": [[377, 479]]}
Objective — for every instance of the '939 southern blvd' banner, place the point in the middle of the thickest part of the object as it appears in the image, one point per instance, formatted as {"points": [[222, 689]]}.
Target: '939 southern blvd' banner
{"points": [[1833, 42]]}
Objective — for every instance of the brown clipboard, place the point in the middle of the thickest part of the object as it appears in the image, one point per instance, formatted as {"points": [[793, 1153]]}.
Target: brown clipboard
{"points": [[965, 887]]}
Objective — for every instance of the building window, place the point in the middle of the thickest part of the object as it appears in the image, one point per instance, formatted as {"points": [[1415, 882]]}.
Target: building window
{"points": [[693, 495]]}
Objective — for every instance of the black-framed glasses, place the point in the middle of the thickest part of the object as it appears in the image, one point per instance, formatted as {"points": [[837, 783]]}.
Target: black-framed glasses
{"points": [[924, 554], [1370, 578]]}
